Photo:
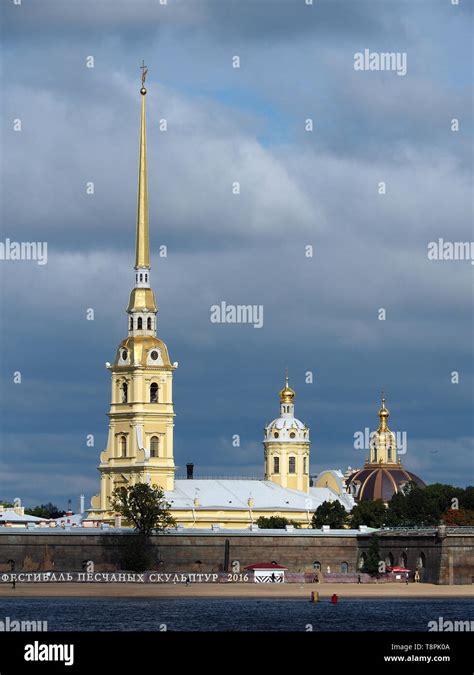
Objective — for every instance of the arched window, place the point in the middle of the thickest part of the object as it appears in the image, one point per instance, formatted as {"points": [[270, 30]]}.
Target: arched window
{"points": [[292, 465], [389, 560], [402, 561], [148, 323], [154, 393], [154, 446], [361, 561], [344, 568], [316, 566], [389, 454], [146, 277], [124, 392], [375, 453], [141, 277], [276, 465], [421, 561], [123, 446], [131, 323], [139, 323]]}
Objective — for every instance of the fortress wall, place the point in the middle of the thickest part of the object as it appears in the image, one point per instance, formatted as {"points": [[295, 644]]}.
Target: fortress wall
{"points": [[447, 560]]}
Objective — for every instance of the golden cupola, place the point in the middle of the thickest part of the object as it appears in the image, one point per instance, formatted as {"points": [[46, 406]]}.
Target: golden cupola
{"points": [[287, 394], [383, 446]]}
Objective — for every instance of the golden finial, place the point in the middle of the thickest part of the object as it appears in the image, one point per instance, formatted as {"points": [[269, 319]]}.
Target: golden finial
{"points": [[286, 394], [384, 414], [144, 70]]}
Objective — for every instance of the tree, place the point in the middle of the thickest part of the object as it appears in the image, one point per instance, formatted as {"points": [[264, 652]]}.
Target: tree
{"points": [[275, 523], [144, 507], [458, 517], [372, 514], [329, 513], [411, 507], [372, 560], [48, 510]]}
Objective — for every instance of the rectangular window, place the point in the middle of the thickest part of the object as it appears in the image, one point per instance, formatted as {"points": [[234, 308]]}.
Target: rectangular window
{"points": [[292, 465], [276, 465]]}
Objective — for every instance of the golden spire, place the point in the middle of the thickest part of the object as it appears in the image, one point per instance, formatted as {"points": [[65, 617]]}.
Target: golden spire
{"points": [[142, 248], [384, 414], [286, 394]]}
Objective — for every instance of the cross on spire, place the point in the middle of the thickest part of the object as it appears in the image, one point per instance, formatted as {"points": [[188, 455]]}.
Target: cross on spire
{"points": [[144, 70]]}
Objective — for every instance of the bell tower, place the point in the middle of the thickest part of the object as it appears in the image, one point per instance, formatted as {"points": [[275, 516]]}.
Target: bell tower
{"points": [[141, 416], [286, 446]]}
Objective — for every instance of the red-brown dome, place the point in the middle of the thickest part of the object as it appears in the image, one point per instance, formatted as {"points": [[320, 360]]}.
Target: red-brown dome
{"points": [[380, 482]]}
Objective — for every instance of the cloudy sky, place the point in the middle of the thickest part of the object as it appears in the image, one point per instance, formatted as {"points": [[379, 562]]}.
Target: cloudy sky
{"points": [[298, 189]]}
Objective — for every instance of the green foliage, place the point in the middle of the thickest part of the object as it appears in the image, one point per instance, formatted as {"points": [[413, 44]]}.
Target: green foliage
{"points": [[372, 514], [275, 523], [417, 506], [144, 507], [372, 560], [330, 513], [45, 511]]}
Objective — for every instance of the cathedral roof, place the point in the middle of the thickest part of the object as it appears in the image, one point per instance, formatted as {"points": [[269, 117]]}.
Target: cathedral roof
{"points": [[231, 494], [140, 346], [380, 481]]}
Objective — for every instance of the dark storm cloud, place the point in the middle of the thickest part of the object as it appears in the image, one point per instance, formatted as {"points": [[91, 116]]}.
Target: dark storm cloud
{"points": [[240, 19]]}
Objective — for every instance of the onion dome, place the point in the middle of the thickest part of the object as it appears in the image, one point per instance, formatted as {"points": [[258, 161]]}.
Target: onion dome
{"points": [[287, 394]]}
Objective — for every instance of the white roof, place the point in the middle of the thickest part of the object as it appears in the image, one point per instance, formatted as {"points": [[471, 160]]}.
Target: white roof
{"points": [[234, 494], [11, 516], [286, 423]]}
